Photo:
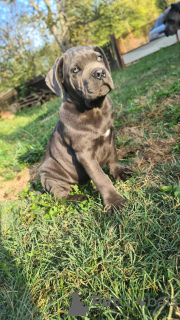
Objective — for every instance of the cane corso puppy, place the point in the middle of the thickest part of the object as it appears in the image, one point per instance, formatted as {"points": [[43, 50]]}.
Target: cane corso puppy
{"points": [[171, 19], [83, 140]]}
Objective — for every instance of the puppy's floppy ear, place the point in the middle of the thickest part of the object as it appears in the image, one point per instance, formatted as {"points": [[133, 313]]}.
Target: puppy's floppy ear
{"points": [[54, 77], [100, 50]]}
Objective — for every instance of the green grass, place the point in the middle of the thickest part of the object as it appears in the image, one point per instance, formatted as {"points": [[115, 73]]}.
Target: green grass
{"points": [[27, 133], [49, 249]]}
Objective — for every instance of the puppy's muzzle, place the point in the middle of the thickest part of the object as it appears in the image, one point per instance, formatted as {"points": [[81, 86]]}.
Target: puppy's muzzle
{"points": [[99, 73]]}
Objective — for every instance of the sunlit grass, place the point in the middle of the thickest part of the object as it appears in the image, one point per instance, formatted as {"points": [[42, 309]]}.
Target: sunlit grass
{"points": [[52, 248]]}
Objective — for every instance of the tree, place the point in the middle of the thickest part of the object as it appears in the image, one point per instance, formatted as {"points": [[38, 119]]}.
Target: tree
{"points": [[63, 17], [73, 22], [29, 30], [20, 58], [114, 16], [14, 48], [162, 4]]}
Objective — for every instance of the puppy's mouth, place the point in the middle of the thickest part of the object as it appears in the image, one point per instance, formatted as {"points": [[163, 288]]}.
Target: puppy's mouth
{"points": [[92, 95], [105, 89], [94, 101]]}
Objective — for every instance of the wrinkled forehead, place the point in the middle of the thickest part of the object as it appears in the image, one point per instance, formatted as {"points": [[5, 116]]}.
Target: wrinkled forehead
{"points": [[80, 56]]}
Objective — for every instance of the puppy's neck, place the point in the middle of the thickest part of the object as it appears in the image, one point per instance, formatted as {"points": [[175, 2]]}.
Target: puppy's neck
{"points": [[82, 105]]}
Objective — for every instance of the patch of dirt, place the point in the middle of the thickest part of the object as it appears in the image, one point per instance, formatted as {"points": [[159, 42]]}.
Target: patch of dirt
{"points": [[9, 189], [6, 114]]}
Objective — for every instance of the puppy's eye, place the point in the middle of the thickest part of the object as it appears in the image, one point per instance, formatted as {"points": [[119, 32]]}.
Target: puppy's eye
{"points": [[99, 58], [76, 70]]}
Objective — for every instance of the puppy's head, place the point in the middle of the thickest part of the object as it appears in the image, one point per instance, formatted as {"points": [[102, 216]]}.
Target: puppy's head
{"points": [[171, 19], [83, 73]]}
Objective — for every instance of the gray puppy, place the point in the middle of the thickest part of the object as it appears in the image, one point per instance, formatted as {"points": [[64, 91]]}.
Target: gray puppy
{"points": [[83, 140], [171, 19]]}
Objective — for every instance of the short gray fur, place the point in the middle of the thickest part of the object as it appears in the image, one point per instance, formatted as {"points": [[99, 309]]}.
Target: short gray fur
{"points": [[83, 140]]}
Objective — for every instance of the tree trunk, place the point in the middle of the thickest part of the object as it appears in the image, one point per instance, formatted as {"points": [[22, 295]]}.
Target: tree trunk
{"points": [[63, 42], [62, 39]]}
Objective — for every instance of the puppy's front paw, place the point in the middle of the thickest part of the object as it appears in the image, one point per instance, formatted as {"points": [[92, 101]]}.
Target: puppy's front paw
{"points": [[122, 173], [114, 202]]}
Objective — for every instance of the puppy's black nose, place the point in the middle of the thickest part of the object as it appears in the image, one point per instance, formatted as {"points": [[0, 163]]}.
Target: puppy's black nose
{"points": [[99, 73]]}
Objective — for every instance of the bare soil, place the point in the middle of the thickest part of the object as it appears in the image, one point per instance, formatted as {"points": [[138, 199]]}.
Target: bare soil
{"points": [[10, 188]]}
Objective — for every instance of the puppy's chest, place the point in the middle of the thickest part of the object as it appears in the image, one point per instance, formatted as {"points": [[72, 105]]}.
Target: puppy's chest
{"points": [[107, 133], [101, 125], [103, 133], [101, 146]]}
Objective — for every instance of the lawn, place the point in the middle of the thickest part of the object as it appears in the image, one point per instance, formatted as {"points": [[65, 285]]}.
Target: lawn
{"points": [[50, 249]]}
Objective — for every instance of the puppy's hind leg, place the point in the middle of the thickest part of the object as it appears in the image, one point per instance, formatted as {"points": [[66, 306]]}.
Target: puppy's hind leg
{"points": [[62, 192], [54, 179], [55, 187], [57, 181]]}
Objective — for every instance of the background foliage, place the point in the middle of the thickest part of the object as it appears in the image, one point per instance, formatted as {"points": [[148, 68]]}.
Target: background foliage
{"points": [[33, 33], [161, 4]]}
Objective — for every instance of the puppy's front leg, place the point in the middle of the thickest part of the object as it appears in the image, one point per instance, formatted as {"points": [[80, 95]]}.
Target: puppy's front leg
{"points": [[101, 180], [115, 169]]}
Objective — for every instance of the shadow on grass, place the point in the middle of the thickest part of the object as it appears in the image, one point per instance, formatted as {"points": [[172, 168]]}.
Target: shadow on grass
{"points": [[15, 293]]}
